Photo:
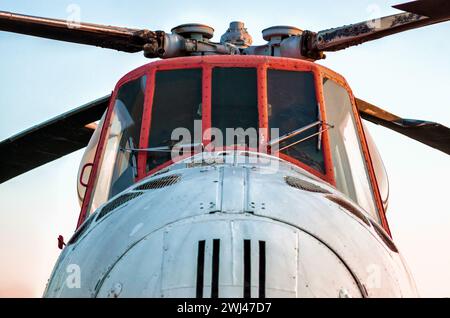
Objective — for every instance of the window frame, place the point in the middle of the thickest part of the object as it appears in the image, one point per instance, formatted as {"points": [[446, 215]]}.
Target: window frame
{"points": [[210, 111], [328, 176], [206, 64], [139, 72], [326, 73], [260, 64], [207, 68], [147, 121], [147, 116], [261, 76]]}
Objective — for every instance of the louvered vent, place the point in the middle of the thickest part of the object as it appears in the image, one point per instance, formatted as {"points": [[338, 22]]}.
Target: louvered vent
{"points": [[303, 185], [205, 259], [117, 202], [80, 231], [160, 182]]}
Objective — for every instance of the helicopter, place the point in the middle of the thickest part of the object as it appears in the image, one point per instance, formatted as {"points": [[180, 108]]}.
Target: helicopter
{"points": [[256, 221]]}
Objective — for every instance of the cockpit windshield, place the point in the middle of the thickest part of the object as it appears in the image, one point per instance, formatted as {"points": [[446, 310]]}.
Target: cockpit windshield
{"points": [[262, 105], [292, 104], [350, 170], [234, 107], [177, 105], [234, 115], [118, 167]]}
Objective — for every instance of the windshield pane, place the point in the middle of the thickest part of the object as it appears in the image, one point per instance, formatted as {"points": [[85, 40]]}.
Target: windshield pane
{"points": [[177, 103], [378, 168], [349, 165], [292, 104], [235, 106], [117, 169]]}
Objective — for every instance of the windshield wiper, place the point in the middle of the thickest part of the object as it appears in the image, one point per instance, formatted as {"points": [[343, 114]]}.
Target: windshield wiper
{"points": [[296, 132], [165, 148], [133, 162]]}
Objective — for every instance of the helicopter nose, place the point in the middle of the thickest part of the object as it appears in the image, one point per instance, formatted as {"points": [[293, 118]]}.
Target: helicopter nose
{"points": [[228, 256]]}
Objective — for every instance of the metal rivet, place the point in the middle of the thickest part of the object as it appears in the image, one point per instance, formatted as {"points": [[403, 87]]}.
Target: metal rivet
{"points": [[115, 290]]}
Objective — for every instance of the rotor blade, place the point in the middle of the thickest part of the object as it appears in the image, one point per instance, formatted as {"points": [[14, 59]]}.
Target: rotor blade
{"points": [[117, 38], [420, 13], [432, 134], [50, 140], [432, 9]]}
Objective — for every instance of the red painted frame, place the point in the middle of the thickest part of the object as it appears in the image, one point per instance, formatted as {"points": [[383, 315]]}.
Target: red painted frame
{"points": [[147, 116], [206, 63], [101, 143], [305, 66]]}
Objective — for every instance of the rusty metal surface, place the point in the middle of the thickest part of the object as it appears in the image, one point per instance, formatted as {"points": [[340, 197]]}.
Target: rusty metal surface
{"points": [[117, 38], [350, 35], [418, 14]]}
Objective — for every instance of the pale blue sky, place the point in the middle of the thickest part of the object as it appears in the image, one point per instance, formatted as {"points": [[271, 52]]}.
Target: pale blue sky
{"points": [[408, 74]]}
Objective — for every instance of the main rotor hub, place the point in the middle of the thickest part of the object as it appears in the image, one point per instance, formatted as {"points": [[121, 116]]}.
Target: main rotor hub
{"points": [[194, 31], [237, 35]]}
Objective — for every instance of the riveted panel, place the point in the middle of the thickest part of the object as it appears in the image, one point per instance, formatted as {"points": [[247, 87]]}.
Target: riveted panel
{"points": [[234, 190], [138, 271]]}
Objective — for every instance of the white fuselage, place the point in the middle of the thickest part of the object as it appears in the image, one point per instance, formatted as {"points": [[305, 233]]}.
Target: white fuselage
{"points": [[231, 225]]}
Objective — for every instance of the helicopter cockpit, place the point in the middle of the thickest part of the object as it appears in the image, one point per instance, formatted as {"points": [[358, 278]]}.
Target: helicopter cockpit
{"points": [[242, 106], [297, 110]]}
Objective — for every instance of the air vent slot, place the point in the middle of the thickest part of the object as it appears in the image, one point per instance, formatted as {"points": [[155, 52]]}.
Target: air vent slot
{"points": [[247, 268], [262, 269], [215, 269], [206, 259], [303, 185], [80, 231], [160, 182], [349, 207], [200, 268], [117, 202], [215, 266]]}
